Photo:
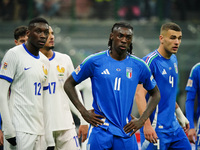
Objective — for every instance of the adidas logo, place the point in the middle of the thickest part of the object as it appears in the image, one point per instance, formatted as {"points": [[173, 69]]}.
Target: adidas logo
{"points": [[105, 72], [164, 72]]}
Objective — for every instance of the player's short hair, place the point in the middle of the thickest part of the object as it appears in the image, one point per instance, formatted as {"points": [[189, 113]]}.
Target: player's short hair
{"points": [[36, 20], [20, 31], [116, 26], [170, 26]]}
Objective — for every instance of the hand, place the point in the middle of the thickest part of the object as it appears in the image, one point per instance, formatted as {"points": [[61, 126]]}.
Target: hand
{"points": [[1, 138], [92, 118], [192, 135], [133, 125], [149, 132], [183, 121], [83, 129], [50, 148], [12, 141]]}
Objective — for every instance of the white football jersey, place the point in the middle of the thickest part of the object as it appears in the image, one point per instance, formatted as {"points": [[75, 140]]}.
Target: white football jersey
{"points": [[28, 75], [61, 68]]}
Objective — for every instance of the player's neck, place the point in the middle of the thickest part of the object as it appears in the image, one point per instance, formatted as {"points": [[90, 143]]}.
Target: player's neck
{"points": [[47, 53], [33, 50], [117, 56], [164, 53]]}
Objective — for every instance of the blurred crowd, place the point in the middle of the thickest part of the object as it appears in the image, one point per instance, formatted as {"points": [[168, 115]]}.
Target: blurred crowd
{"points": [[99, 9]]}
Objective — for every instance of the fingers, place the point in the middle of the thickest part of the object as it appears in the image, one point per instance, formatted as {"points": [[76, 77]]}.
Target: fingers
{"points": [[191, 139], [84, 137], [152, 138], [132, 116], [12, 141]]}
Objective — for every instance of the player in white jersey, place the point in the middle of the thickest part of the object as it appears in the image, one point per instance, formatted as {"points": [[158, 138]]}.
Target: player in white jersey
{"points": [[20, 35], [25, 70], [62, 125]]}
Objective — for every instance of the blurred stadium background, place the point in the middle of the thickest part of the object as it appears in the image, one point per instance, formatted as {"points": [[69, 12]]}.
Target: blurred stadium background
{"points": [[82, 27]]}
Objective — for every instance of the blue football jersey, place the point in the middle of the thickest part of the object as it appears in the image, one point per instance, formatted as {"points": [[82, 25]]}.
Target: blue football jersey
{"points": [[113, 86], [193, 89], [165, 72]]}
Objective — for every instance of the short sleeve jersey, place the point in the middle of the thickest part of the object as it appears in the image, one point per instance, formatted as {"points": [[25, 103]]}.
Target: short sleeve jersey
{"points": [[165, 72], [113, 86], [61, 67], [28, 75]]}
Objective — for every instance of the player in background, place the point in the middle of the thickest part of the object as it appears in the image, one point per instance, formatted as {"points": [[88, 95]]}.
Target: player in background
{"points": [[62, 125], [20, 35], [1, 136], [164, 131], [25, 70], [193, 90], [114, 74]]}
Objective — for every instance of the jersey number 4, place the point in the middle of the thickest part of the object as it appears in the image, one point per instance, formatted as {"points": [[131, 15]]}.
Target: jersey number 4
{"points": [[171, 80]]}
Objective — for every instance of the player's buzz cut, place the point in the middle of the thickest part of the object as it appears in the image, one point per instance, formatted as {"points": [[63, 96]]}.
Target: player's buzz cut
{"points": [[36, 20], [170, 26]]}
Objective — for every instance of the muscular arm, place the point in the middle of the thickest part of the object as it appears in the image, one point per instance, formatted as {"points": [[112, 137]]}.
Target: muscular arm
{"points": [[140, 99], [151, 105], [9, 131], [192, 135], [69, 88]]}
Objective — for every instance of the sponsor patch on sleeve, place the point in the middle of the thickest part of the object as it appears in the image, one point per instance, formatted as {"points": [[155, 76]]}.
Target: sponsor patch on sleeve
{"points": [[5, 65], [77, 70], [189, 83]]}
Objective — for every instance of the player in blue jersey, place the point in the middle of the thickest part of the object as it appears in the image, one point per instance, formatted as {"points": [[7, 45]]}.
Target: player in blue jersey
{"points": [[25, 70], [114, 74], [193, 90], [164, 67]]}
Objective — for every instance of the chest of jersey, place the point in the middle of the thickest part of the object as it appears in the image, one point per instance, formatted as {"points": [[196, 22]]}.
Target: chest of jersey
{"points": [[117, 75], [166, 72]]}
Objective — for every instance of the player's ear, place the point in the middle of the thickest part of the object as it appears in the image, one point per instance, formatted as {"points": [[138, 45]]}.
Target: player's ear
{"points": [[111, 36], [16, 42], [161, 37]]}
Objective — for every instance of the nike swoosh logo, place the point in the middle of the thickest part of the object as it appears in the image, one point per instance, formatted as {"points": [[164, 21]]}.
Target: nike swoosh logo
{"points": [[27, 68]]}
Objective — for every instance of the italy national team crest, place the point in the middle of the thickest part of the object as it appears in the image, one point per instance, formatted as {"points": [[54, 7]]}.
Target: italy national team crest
{"points": [[176, 68], [128, 72]]}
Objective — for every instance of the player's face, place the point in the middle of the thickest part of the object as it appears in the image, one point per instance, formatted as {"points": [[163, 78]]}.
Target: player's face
{"points": [[50, 41], [21, 40], [38, 35], [171, 41], [121, 39]]}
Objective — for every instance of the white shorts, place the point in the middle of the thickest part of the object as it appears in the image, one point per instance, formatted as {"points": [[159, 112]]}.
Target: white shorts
{"points": [[26, 141], [66, 140]]}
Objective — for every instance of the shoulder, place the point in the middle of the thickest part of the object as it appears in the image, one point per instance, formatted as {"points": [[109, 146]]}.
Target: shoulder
{"points": [[62, 57], [96, 56], [195, 68], [139, 62], [151, 57], [15, 51]]}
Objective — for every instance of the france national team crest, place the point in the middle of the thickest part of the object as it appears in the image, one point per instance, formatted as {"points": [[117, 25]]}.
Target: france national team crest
{"points": [[128, 72]]}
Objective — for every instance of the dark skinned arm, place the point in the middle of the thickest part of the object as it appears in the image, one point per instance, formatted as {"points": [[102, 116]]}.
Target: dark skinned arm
{"points": [[135, 123], [91, 118]]}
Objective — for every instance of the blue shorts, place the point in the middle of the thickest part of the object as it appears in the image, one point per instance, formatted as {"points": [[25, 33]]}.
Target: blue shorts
{"points": [[172, 140], [101, 139]]}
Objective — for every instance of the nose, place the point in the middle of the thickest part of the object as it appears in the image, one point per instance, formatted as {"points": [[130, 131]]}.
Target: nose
{"points": [[123, 40]]}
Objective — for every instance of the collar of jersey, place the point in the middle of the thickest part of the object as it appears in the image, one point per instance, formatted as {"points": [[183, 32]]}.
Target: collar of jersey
{"points": [[37, 57], [52, 56]]}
